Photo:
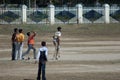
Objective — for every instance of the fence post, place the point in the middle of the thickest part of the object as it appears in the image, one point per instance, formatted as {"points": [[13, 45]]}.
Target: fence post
{"points": [[107, 13], [24, 13], [51, 14], [79, 13]]}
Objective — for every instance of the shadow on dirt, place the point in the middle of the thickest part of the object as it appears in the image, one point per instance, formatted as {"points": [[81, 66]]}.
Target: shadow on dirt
{"points": [[29, 79]]}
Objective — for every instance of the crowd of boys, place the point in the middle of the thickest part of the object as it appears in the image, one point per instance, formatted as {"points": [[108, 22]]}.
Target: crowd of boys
{"points": [[18, 38]]}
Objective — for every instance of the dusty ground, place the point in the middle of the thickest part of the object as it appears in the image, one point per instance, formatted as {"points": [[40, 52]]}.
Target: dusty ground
{"points": [[88, 52], [81, 59]]}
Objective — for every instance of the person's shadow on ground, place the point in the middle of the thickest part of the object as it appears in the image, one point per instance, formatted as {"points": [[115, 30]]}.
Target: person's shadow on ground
{"points": [[29, 79]]}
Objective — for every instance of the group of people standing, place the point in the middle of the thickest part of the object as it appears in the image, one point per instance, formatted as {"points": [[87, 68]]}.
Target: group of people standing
{"points": [[18, 38], [17, 48], [17, 44]]}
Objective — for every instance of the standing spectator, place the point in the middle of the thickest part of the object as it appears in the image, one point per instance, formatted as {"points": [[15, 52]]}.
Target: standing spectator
{"points": [[42, 57], [14, 43], [56, 42], [30, 44], [20, 39]]}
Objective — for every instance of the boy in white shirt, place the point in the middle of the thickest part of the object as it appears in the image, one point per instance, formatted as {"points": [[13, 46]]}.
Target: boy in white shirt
{"points": [[42, 58], [56, 42]]}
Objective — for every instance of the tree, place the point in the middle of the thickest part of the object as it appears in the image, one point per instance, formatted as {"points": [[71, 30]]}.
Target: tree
{"points": [[43, 3]]}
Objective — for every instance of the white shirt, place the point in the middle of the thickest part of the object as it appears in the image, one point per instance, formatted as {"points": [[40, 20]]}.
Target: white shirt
{"points": [[42, 49], [57, 34]]}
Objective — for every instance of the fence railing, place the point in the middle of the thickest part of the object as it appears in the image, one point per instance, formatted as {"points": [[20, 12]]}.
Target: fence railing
{"points": [[60, 15]]}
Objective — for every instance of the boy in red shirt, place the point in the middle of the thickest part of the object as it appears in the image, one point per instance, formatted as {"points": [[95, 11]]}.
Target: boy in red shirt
{"points": [[31, 43]]}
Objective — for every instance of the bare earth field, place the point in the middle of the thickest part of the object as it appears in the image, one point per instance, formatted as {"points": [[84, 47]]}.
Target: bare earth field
{"points": [[82, 58]]}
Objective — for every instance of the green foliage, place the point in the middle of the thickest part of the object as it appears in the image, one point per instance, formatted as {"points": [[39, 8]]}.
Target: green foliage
{"points": [[44, 3]]}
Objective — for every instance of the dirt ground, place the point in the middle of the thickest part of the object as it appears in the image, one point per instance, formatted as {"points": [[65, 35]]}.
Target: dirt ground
{"points": [[82, 58]]}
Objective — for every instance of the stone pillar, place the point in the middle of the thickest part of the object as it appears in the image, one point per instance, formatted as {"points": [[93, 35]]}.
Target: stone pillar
{"points": [[79, 14], [24, 13], [107, 13], [51, 14]]}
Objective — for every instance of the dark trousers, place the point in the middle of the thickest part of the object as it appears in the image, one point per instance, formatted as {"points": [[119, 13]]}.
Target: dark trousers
{"points": [[14, 49], [41, 68]]}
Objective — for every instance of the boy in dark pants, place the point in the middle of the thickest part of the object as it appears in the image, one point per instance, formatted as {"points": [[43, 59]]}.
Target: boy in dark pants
{"points": [[42, 57], [14, 43]]}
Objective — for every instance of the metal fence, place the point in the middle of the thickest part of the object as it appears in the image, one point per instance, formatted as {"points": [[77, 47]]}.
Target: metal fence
{"points": [[37, 16], [93, 15], [115, 14], [63, 15], [66, 15], [10, 16]]}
